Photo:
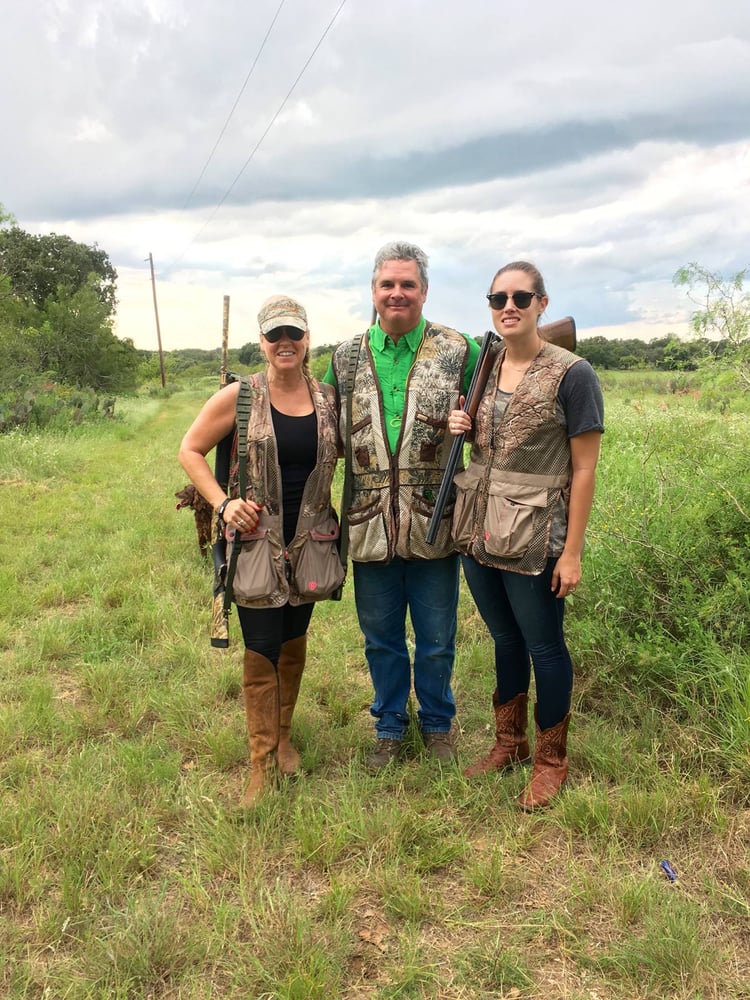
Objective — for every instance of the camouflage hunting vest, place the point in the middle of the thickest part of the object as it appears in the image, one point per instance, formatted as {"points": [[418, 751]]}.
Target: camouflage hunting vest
{"points": [[264, 484], [393, 495], [519, 469]]}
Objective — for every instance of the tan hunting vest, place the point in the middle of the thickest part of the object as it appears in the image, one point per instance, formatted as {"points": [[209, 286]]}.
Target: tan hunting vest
{"points": [[518, 472], [264, 486], [393, 495]]}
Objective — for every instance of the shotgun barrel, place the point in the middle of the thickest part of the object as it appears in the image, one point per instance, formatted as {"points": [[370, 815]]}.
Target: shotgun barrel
{"points": [[481, 373]]}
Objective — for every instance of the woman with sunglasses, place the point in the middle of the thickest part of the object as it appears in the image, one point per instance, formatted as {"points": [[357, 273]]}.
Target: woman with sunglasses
{"points": [[521, 512], [284, 520]]}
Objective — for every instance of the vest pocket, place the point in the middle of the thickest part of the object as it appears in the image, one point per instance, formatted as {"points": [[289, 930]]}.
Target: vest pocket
{"points": [[360, 443], [255, 576], [318, 571], [368, 537], [463, 513], [510, 520]]}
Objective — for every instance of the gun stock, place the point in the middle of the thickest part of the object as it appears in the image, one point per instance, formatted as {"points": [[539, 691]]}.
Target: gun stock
{"points": [[561, 332]]}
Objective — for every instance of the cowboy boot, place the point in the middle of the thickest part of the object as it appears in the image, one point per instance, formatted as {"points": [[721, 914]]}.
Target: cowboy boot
{"points": [[511, 747], [260, 686], [550, 765], [291, 665]]}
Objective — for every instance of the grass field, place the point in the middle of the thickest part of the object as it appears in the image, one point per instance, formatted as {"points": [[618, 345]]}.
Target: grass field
{"points": [[126, 870]]}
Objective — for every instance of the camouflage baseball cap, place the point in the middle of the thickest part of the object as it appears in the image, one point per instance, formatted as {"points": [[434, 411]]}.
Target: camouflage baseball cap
{"points": [[280, 310]]}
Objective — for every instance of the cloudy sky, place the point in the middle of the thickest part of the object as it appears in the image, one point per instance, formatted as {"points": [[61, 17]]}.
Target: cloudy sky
{"points": [[258, 146]]}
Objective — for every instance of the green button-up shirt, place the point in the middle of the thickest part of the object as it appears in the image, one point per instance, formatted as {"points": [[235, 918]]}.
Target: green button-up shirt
{"points": [[393, 362]]}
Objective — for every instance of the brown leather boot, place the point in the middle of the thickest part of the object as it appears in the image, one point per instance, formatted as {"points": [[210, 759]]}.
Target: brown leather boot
{"points": [[385, 752], [511, 746], [291, 665], [550, 765], [260, 686]]}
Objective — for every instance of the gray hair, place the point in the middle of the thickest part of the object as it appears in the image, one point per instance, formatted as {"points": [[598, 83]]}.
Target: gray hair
{"points": [[399, 250]]}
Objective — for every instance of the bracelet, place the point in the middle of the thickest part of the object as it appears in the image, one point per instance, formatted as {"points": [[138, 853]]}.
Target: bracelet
{"points": [[222, 507]]}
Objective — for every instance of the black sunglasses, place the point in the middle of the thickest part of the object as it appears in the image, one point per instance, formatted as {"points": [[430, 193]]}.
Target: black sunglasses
{"points": [[275, 335], [521, 300]]}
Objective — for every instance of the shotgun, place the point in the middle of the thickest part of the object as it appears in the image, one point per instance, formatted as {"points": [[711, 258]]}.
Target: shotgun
{"points": [[561, 332], [220, 617]]}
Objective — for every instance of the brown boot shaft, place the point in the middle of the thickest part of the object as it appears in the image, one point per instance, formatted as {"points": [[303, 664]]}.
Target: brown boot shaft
{"points": [[260, 687], [511, 747], [550, 765], [291, 666]]}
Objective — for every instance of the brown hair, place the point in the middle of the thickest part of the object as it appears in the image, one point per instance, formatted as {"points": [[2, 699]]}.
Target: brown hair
{"points": [[533, 272]]}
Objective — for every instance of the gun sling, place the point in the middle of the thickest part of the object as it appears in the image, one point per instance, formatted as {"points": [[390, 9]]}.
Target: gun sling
{"points": [[219, 621], [346, 492], [243, 419]]}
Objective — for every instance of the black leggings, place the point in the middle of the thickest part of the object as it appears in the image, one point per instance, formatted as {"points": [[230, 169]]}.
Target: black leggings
{"points": [[265, 630]]}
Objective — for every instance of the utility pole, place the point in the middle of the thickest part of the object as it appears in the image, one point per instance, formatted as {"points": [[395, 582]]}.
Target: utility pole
{"points": [[225, 342], [156, 314]]}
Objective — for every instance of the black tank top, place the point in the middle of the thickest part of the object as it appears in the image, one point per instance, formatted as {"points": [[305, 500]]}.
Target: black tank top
{"points": [[297, 445]]}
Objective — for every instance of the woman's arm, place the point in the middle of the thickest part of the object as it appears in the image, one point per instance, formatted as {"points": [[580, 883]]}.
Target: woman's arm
{"points": [[215, 420], [584, 454]]}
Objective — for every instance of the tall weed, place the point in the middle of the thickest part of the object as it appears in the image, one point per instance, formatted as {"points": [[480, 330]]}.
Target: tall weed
{"points": [[668, 564]]}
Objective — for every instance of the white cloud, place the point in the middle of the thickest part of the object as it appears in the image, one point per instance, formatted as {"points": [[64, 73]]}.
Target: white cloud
{"points": [[609, 144], [89, 130]]}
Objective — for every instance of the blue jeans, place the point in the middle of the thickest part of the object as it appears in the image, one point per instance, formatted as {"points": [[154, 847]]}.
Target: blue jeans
{"points": [[525, 619], [383, 592]]}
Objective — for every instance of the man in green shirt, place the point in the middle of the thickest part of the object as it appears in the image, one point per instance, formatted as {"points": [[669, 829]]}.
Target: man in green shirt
{"points": [[409, 374]]}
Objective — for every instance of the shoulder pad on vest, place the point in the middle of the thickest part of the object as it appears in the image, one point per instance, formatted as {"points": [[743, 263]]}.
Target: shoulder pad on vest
{"points": [[434, 329]]}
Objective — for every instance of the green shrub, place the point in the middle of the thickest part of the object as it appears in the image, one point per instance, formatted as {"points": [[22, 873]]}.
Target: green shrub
{"points": [[47, 405]]}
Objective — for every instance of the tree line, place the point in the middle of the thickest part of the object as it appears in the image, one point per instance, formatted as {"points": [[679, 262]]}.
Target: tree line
{"points": [[662, 354], [58, 300]]}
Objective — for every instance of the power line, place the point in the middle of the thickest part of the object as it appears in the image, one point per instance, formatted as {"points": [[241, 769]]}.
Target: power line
{"points": [[268, 128], [236, 102]]}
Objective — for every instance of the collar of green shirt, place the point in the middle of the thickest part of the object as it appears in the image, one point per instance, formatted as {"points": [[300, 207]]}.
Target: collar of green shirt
{"points": [[379, 338]]}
